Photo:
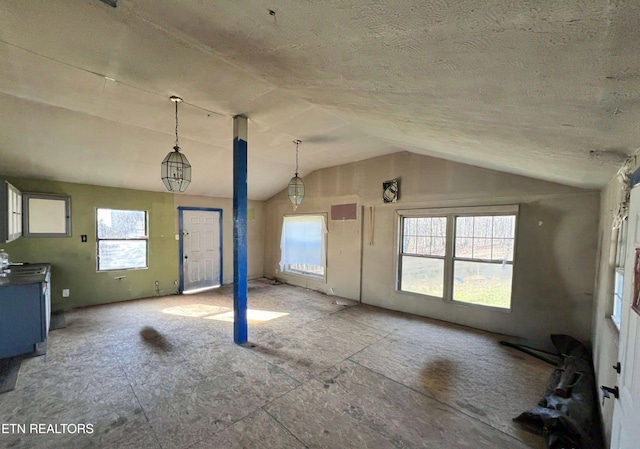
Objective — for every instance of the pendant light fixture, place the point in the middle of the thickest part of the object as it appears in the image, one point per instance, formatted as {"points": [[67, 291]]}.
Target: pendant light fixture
{"points": [[175, 169], [296, 185]]}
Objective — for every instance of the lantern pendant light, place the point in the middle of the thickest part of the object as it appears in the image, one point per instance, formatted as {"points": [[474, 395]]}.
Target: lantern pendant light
{"points": [[296, 185], [175, 170]]}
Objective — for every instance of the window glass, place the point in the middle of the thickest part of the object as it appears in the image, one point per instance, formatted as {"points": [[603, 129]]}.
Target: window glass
{"points": [[122, 239], [487, 284], [424, 235], [121, 224], [485, 237], [122, 254], [464, 247], [464, 227], [617, 298], [616, 313], [480, 255], [422, 258], [477, 278], [423, 275], [302, 245]]}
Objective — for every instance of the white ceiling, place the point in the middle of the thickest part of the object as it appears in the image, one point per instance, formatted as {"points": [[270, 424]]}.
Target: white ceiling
{"points": [[545, 89]]}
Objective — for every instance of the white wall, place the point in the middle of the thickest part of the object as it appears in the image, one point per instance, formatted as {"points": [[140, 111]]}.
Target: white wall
{"points": [[554, 268]]}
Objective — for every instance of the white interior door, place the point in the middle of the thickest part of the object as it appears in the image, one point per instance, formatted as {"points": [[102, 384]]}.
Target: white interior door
{"points": [[201, 249], [626, 412]]}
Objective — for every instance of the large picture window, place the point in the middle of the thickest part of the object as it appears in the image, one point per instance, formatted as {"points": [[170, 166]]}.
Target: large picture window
{"points": [[302, 245], [462, 254], [122, 239]]}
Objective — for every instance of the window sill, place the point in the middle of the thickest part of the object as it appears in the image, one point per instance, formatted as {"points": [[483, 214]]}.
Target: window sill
{"points": [[307, 276], [111, 270], [612, 322], [482, 307], [453, 302], [420, 295]]}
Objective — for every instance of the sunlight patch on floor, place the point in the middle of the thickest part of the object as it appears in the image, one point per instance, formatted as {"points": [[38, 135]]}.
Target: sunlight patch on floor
{"points": [[253, 315], [218, 313], [195, 310]]}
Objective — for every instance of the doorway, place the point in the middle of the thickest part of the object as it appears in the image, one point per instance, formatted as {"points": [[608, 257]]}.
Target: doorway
{"points": [[200, 248], [625, 431]]}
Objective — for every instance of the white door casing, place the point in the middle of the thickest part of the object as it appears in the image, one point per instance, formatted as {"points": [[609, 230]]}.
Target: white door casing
{"points": [[200, 248], [625, 433]]}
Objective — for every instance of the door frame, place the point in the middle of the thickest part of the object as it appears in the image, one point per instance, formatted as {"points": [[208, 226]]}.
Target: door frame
{"points": [[181, 210], [623, 407]]}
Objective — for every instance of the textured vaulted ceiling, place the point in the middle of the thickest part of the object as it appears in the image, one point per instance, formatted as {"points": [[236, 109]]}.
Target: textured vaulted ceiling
{"points": [[547, 89]]}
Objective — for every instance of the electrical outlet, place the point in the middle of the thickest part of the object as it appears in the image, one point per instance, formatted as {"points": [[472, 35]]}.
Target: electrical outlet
{"points": [[65, 292]]}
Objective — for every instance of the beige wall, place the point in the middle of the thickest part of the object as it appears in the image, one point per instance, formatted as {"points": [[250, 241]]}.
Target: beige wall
{"points": [[343, 247], [554, 267], [605, 333]]}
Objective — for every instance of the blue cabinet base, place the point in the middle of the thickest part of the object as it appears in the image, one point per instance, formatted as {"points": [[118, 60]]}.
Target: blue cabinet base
{"points": [[24, 320]]}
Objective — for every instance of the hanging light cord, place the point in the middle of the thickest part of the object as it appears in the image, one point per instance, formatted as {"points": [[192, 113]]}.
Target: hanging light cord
{"points": [[176, 100], [177, 146], [297, 142]]}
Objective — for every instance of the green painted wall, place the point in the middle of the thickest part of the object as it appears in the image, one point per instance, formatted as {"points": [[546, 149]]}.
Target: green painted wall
{"points": [[74, 262]]}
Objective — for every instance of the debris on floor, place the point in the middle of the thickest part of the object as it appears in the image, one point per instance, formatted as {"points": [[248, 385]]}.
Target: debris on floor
{"points": [[565, 415]]}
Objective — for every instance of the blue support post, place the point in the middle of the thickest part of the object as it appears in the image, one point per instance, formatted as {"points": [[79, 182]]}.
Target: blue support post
{"points": [[240, 287]]}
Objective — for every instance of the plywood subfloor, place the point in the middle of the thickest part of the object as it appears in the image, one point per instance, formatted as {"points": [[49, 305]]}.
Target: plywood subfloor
{"points": [[320, 371]]}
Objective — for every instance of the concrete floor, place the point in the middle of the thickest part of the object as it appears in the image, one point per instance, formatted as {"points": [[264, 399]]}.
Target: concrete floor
{"points": [[321, 371]]}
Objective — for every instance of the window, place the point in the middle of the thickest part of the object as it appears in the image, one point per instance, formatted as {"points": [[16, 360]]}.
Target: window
{"points": [[618, 285], [423, 253], [122, 239], [46, 215], [483, 259], [462, 254], [303, 245]]}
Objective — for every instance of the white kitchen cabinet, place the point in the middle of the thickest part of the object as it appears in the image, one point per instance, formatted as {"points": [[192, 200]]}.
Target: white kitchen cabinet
{"points": [[10, 212]]}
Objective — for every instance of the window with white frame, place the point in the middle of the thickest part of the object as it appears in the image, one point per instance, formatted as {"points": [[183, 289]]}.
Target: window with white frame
{"points": [[423, 255], [618, 285], [461, 254], [303, 245], [123, 239]]}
